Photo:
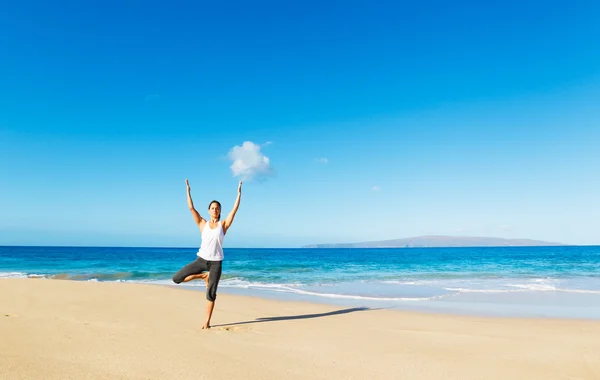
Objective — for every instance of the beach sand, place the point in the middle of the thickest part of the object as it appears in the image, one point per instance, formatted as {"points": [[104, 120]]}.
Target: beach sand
{"points": [[57, 329]]}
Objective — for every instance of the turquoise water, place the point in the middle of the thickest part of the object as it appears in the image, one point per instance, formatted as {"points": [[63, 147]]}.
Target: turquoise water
{"points": [[506, 281]]}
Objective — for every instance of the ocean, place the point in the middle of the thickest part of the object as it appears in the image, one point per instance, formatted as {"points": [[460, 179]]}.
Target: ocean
{"points": [[558, 282]]}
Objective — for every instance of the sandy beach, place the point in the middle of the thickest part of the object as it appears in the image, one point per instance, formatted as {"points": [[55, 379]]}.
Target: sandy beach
{"points": [[56, 329]]}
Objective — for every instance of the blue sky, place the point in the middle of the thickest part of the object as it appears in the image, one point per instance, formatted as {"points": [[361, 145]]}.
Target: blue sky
{"points": [[380, 120]]}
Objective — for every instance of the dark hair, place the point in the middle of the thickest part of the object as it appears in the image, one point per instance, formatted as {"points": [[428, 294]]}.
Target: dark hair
{"points": [[218, 203]]}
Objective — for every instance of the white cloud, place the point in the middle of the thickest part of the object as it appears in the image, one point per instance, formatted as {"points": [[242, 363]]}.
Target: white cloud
{"points": [[375, 188], [505, 227], [321, 160], [249, 163]]}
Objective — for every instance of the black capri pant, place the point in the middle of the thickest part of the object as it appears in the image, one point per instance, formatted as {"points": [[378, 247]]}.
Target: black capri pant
{"points": [[197, 267]]}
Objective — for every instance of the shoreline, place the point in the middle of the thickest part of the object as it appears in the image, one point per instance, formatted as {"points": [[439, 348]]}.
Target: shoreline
{"points": [[415, 310], [521, 304], [541, 282], [59, 329]]}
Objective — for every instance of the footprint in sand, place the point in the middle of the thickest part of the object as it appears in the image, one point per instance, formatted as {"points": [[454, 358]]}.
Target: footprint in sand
{"points": [[11, 315], [233, 328]]}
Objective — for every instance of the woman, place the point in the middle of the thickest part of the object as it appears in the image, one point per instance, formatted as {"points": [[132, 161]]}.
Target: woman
{"points": [[210, 255]]}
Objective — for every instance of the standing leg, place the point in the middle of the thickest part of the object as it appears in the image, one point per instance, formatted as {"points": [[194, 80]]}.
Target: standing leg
{"points": [[210, 306], [215, 269]]}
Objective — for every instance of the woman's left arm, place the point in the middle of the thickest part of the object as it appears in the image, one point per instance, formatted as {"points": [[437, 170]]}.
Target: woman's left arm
{"points": [[236, 205]]}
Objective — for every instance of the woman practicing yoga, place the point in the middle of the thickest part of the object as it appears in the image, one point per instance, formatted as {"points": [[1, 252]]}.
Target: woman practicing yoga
{"points": [[210, 254]]}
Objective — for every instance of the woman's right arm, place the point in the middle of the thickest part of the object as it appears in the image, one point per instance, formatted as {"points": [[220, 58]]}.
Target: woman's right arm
{"points": [[197, 218]]}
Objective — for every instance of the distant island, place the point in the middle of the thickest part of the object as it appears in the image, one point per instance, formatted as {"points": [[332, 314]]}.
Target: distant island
{"points": [[436, 241]]}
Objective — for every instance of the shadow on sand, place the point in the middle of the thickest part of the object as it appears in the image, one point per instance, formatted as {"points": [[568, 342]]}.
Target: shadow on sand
{"points": [[292, 317]]}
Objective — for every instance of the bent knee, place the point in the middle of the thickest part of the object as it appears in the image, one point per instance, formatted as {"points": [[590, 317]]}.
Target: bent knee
{"points": [[177, 279]]}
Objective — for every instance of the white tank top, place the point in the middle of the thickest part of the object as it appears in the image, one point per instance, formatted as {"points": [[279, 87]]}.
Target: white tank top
{"points": [[212, 243]]}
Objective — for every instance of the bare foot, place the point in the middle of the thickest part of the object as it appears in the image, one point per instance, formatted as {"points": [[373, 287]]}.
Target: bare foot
{"points": [[206, 326], [205, 277]]}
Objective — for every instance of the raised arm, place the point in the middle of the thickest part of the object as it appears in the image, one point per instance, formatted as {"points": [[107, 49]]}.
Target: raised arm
{"points": [[236, 205], [197, 218]]}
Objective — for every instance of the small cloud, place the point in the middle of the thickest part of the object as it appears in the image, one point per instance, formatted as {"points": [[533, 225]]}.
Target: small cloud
{"points": [[249, 163], [375, 188], [321, 160], [267, 143], [152, 97]]}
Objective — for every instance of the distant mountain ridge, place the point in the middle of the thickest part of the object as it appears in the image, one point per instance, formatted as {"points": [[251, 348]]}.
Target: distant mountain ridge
{"points": [[439, 241]]}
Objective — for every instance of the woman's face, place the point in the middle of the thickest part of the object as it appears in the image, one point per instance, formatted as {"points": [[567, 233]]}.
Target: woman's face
{"points": [[214, 210]]}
